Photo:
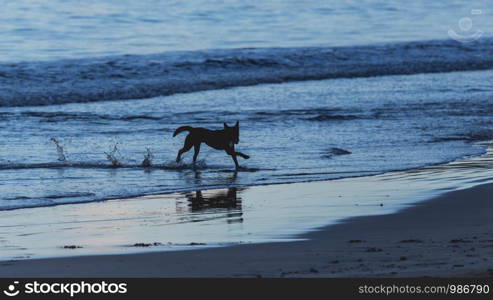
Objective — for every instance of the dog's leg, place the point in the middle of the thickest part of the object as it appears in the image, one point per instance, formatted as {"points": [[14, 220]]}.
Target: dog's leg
{"points": [[232, 152], [233, 155], [187, 146], [196, 148], [243, 155]]}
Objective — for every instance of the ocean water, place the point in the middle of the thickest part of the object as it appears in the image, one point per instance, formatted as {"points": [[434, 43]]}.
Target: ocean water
{"points": [[299, 131], [89, 91], [51, 30]]}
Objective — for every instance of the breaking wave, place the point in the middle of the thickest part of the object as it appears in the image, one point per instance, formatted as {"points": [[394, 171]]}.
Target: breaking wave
{"points": [[145, 76]]}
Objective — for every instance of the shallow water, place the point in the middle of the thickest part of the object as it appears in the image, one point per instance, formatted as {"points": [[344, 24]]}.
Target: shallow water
{"points": [[293, 132], [229, 216]]}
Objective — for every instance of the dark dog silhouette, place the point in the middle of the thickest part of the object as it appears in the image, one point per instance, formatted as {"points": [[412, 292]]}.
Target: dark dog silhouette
{"points": [[224, 139]]}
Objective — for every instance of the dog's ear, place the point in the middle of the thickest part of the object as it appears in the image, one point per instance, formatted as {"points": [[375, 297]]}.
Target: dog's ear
{"points": [[237, 124], [225, 125]]}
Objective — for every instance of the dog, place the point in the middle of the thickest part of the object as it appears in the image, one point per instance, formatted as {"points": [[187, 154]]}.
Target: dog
{"points": [[224, 139]]}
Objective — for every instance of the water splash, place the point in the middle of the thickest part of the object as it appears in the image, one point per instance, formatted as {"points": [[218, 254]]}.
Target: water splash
{"points": [[112, 156], [59, 150], [148, 157], [200, 164]]}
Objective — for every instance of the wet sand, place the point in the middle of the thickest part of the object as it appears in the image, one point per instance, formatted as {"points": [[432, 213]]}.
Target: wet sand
{"points": [[450, 235]]}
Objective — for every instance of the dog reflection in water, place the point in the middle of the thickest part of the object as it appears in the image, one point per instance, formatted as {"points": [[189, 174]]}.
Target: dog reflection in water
{"points": [[223, 199]]}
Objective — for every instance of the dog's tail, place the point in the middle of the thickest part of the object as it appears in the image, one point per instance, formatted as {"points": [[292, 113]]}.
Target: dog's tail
{"points": [[181, 129]]}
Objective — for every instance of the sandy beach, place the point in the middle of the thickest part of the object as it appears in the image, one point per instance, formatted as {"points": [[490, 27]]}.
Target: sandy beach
{"points": [[450, 235]]}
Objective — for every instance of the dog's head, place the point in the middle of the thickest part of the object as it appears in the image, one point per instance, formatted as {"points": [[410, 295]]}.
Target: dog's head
{"points": [[233, 132]]}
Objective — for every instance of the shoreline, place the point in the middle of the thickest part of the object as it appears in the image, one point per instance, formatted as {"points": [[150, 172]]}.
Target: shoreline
{"points": [[486, 155], [258, 226], [424, 216], [445, 236]]}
